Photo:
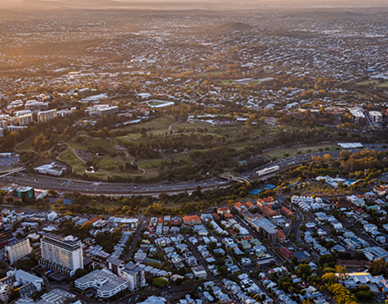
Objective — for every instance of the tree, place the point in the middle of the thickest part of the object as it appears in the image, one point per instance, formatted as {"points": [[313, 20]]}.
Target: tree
{"points": [[160, 282], [223, 270], [14, 294], [303, 269], [342, 272], [52, 193], [329, 278], [374, 269], [363, 293], [359, 255]]}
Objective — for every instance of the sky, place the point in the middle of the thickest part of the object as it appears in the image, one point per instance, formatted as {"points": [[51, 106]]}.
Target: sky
{"points": [[347, 3]]}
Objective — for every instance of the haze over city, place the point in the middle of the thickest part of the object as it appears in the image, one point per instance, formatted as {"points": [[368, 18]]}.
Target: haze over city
{"points": [[164, 152]]}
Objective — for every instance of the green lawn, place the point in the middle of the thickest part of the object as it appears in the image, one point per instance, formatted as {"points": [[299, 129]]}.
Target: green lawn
{"points": [[130, 136], [366, 82], [157, 123], [227, 81], [383, 85], [84, 142], [26, 145], [69, 158], [293, 151], [108, 164], [149, 163]]}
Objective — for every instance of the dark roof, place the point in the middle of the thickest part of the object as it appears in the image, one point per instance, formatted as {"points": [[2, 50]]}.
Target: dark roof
{"points": [[27, 289], [114, 261]]}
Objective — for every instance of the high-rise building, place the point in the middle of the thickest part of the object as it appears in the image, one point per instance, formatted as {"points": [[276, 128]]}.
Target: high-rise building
{"points": [[17, 249], [63, 254], [44, 116]]}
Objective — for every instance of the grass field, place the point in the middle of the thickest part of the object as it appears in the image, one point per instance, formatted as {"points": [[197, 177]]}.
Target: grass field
{"points": [[150, 163], [69, 158], [131, 136], [366, 82], [85, 142], [293, 151], [107, 163], [158, 123], [383, 85], [26, 145]]}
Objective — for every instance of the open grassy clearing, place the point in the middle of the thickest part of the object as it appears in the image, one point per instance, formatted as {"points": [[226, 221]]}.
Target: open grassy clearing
{"points": [[150, 163], [383, 85], [131, 136], [26, 145], [107, 163], [293, 151], [367, 82], [69, 158], [157, 123], [86, 142]]}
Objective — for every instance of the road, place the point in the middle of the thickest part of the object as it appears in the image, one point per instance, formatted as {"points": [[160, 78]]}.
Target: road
{"points": [[128, 189]]}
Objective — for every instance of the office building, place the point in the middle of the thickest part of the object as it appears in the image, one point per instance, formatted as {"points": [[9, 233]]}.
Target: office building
{"points": [[17, 249], [63, 254], [44, 116], [105, 282]]}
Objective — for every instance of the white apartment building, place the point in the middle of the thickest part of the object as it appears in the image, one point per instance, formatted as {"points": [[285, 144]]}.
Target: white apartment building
{"points": [[105, 282], [375, 117], [26, 119], [44, 116], [61, 253], [357, 113], [17, 250]]}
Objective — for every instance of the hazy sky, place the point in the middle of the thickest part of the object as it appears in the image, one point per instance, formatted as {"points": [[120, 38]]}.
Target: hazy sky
{"points": [[240, 3]]}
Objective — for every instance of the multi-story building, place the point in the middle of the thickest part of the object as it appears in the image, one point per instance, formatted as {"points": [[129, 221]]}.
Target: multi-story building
{"points": [[61, 253], [135, 275], [44, 116], [375, 117], [103, 109], [34, 105], [105, 282], [26, 119], [17, 249]]}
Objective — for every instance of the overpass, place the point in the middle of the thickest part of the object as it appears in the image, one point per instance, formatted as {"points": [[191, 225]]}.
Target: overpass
{"points": [[10, 172]]}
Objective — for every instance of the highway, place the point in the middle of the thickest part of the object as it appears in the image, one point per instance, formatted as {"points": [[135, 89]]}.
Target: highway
{"points": [[129, 189]]}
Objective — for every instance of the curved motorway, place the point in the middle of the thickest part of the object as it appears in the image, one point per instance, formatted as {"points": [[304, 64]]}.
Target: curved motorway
{"points": [[128, 189]]}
